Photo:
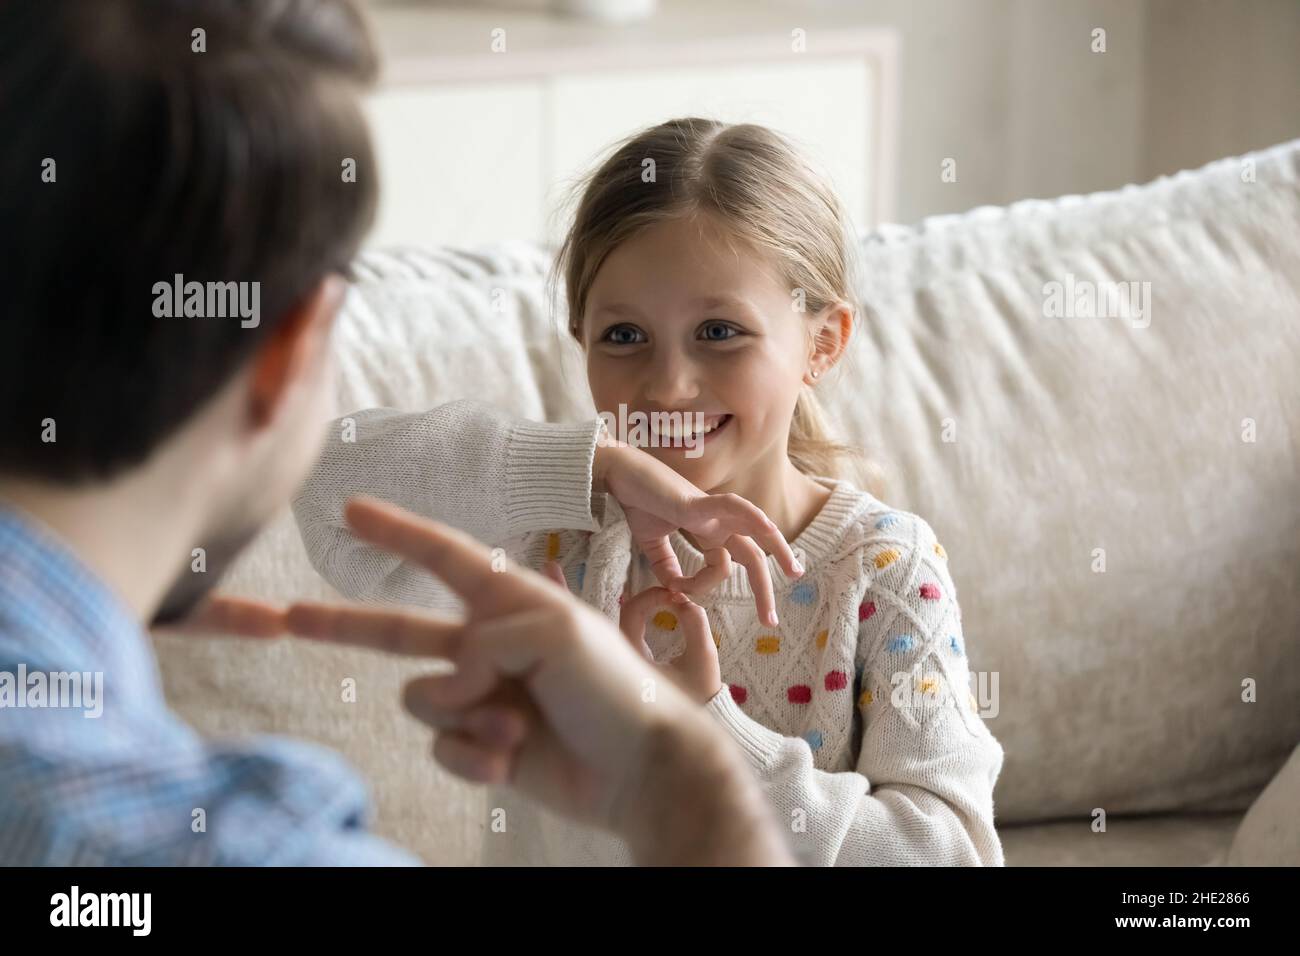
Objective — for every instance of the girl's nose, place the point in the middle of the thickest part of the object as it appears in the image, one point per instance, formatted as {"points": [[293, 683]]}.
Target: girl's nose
{"points": [[672, 382]]}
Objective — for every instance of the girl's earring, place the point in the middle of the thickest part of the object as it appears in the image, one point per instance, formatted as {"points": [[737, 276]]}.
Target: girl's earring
{"points": [[815, 373]]}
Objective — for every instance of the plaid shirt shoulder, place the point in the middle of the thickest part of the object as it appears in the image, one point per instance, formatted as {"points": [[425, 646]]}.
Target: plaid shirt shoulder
{"points": [[95, 770]]}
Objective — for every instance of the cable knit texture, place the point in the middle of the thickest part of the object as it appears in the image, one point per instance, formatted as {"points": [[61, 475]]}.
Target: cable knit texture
{"points": [[856, 713]]}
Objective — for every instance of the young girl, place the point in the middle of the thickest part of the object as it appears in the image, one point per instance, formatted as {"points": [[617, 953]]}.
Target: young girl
{"points": [[708, 271]]}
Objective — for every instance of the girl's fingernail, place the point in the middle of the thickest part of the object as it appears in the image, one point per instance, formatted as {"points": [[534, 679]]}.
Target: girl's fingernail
{"points": [[771, 616], [798, 568], [679, 598]]}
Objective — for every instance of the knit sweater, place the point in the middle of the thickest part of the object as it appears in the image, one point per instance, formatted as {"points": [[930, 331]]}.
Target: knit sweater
{"points": [[855, 713]]}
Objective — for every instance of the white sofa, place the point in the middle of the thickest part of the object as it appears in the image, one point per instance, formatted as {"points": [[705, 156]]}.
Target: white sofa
{"points": [[1119, 690]]}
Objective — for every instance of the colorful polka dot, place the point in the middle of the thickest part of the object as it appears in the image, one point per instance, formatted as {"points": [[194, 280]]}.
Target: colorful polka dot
{"points": [[954, 645], [837, 680], [865, 698], [903, 642], [938, 549], [665, 621], [799, 694], [739, 694], [888, 521], [885, 558], [767, 645], [866, 610], [814, 738], [822, 637], [803, 593], [927, 685], [552, 546], [930, 591]]}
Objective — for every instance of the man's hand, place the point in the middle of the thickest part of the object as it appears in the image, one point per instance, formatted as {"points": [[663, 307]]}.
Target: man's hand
{"points": [[658, 501], [549, 697]]}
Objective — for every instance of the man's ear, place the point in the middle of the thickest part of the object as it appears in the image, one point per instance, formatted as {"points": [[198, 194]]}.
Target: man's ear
{"points": [[295, 349], [834, 328]]}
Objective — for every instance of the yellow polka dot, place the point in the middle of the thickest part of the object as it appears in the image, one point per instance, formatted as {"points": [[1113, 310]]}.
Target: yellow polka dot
{"points": [[885, 558], [938, 549], [821, 638], [767, 645], [666, 621], [552, 546], [927, 685], [865, 698]]}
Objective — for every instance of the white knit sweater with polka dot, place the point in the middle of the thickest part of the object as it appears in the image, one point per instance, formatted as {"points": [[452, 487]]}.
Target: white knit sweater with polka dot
{"points": [[856, 713]]}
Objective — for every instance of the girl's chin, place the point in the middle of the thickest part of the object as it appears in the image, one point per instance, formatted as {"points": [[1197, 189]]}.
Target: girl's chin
{"points": [[704, 472]]}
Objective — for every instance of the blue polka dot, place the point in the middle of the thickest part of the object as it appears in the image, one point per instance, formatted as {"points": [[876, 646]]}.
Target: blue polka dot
{"points": [[904, 642], [954, 644], [888, 521], [803, 593], [814, 738], [582, 574]]}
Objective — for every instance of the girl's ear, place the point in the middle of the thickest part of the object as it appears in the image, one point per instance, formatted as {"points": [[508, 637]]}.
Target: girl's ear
{"points": [[832, 329]]}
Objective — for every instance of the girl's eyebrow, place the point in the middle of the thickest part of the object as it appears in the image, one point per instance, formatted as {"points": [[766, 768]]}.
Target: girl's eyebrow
{"points": [[618, 308], [733, 302]]}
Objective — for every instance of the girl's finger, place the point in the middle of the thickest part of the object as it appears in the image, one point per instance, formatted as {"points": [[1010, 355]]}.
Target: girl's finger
{"points": [[663, 560], [742, 517], [717, 569], [745, 551], [633, 614], [697, 665]]}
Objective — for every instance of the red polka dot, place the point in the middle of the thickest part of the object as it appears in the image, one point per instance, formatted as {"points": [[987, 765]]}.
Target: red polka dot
{"points": [[799, 694], [739, 694], [866, 610], [837, 680], [930, 591]]}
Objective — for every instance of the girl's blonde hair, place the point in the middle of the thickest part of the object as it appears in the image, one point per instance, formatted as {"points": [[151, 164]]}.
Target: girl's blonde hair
{"points": [[755, 184]]}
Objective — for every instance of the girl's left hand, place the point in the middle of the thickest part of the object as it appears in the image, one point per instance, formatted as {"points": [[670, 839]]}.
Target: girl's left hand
{"points": [[696, 670]]}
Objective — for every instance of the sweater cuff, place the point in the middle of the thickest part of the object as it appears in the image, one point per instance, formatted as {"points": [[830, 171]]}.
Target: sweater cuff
{"points": [[759, 744], [550, 483]]}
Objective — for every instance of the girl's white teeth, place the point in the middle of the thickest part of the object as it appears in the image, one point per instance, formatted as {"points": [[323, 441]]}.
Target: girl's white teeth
{"points": [[709, 425]]}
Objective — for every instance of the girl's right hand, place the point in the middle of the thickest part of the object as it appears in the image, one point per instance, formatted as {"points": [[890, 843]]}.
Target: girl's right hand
{"points": [[658, 501]]}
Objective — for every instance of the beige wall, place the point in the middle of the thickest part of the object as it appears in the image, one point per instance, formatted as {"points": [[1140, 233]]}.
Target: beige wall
{"points": [[1012, 91]]}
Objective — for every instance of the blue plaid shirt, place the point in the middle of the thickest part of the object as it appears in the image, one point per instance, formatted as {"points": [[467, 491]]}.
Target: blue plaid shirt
{"points": [[134, 785]]}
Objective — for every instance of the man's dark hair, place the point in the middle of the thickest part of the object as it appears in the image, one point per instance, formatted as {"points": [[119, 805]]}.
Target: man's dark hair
{"points": [[218, 155]]}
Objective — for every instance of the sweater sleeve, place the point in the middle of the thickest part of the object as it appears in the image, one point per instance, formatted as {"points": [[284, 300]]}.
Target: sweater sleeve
{"points": [[466, 464], [922, 788]]}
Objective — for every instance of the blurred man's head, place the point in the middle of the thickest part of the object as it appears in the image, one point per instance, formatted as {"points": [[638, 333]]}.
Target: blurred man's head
{"points": [[163, 163]]}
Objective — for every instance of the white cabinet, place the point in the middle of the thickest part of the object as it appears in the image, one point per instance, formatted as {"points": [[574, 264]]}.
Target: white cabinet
{"points": [[476, 145]]}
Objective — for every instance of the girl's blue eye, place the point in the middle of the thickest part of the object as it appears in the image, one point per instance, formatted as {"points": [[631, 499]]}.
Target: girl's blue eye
{"points": [[733, 332], [613, 333]]}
